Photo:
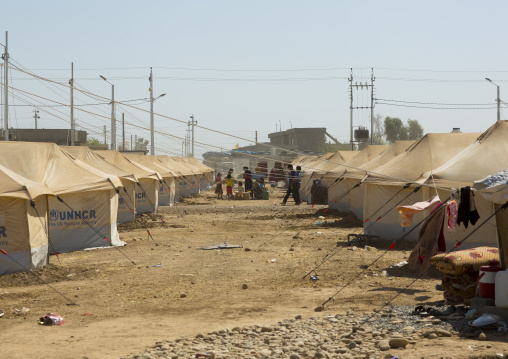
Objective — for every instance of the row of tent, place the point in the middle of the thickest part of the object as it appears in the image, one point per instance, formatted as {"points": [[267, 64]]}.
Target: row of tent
{"points": [[57, 199], [370, 182]]}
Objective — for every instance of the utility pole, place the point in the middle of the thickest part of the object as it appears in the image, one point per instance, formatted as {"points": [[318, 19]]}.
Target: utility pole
{"points": [[135, 142], [351, 110], [6, 92], [36, 116], [152, 134], [123, 132], [372, 78], [183, 142], [498, 100], [105, 135], [73, 125], [152, 126], [131, 142], [257, 153], [113, 119], [193, 123], [371, 107]]}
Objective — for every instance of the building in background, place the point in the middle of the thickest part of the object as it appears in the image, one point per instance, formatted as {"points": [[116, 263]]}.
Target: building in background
{"points": [[284, 147], [58, 136]]}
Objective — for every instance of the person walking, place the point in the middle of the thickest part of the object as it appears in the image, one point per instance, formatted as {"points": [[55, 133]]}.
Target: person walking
{"points": [[292, 177], [296, 185]]}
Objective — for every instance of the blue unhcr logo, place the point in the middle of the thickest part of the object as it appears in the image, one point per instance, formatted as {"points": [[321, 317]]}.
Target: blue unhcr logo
{"points": [[55, 215]]}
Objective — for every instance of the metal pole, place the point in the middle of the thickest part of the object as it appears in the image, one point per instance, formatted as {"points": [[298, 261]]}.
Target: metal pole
{"points": [[193, 125], [36, 116], [6, 93], [498, 104], [183, 142], [123, 132], [372, 106], [113, 120], [351, 110], [257, 154], [152, 146], [131, 142], [135, 142], [73, 125], [105, 135]]}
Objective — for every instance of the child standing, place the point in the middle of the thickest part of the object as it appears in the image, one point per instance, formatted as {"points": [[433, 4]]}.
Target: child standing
{"points": [[229, 186], [239, 193], [218, 188]]}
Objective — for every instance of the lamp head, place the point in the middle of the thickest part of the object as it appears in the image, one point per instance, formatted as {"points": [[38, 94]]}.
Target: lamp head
{"points": [[489, 80], [102, 77]]}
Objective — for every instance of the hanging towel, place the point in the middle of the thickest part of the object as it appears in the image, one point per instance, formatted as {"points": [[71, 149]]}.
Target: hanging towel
{"points": [[467, 211], [430, 240], [407, 212], [452, 215]]}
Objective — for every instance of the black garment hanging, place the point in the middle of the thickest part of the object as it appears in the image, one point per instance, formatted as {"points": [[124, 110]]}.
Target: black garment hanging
{"points": [[467, 211]]}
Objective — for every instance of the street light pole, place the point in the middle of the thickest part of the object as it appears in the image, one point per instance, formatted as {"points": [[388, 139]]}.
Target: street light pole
{"points": [[113, 120], [6, 92], [152, 134], [152, 126], [193, 123], [498, 99]]}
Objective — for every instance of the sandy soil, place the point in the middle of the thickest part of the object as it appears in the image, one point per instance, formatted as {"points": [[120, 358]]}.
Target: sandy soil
{"points": [[175, 288]]}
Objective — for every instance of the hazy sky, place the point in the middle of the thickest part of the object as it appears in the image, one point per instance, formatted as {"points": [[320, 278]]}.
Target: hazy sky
{"points": [[246, 66]]}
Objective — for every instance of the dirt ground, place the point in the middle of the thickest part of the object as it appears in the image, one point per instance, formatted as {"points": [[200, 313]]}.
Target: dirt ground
{"points": [[175, 288]]}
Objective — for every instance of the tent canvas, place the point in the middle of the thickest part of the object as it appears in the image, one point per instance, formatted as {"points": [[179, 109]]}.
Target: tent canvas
{"points": [[146, 194], [482, 158], [337, 189], [23, 230], [89, 213], [383, 183], [166, 196], [126, 201], [190, 176], [353, 200], [205, 173], [308, 166], [186, 180]]}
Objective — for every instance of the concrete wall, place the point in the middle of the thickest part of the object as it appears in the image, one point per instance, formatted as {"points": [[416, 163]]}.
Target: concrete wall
{"points": [[58, 136]]}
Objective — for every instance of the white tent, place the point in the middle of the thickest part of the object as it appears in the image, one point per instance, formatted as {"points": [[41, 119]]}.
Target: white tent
{"points": [[88, 214], [339, 193], [487, 155], [310, 165], [355, 171], [126, 202], [166, 186], [383, 183], [205, 172], [23, 228], [147, 186]]}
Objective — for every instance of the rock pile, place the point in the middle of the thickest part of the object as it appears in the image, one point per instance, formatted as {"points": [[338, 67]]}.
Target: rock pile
{"points": [[329, 336]]}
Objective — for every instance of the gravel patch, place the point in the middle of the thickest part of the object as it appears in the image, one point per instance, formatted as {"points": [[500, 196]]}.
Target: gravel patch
{"points": [[393, 329]]}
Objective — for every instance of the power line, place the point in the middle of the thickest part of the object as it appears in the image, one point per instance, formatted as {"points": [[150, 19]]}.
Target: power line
{"points": [[438, 108], [438, 103]]}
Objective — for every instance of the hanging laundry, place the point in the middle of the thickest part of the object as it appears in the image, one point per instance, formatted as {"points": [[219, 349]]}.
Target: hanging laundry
{"points": [[467, 211], [430, 240], [452, 210], [407, 212]]}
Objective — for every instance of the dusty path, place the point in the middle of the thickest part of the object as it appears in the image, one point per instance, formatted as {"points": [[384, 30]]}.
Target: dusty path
{"points": [[175, 288]]}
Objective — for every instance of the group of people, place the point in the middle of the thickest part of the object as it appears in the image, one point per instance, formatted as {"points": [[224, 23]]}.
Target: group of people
{"points": [[229, 186], [254, 188]]}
